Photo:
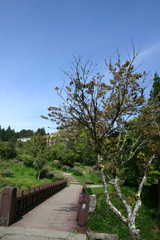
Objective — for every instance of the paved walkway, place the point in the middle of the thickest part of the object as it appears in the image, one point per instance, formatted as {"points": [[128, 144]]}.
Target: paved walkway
{"points": [[21, 233], [59, 212]]}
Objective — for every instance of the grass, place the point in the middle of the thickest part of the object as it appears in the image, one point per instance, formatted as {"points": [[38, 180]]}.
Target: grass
{"points": [[24, 176], [90, 176], [104, 220], [84, 171]]}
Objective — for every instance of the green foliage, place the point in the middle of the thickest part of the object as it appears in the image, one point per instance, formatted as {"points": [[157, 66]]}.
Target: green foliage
{"points": [[155, 91], [39, 162], [11, 149], [34, 152], [10, 134], [7, 172], [58, 175], [65, 155], [24, 176], [40, 131], [88, 173], [72, 145], [57, 164], [26, 158], [3, 150], [47, 172]]}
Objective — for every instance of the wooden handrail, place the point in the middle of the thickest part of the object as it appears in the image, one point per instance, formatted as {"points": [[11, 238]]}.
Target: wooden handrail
{"points": [[16, 203]]}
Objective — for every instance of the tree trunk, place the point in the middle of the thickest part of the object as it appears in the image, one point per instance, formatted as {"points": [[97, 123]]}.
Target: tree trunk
{"points": [[134, 233], [39, 172]]}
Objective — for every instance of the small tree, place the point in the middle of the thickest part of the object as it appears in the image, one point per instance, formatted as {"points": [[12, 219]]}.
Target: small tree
{"points": [[103, 107], [34, 152]]}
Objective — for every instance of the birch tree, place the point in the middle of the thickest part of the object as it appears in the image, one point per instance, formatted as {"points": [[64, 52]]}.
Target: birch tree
{"points": [[103, 106], [129, 143]]}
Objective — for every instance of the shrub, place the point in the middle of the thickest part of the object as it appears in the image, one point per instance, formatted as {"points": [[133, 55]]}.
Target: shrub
{"points": [[58, 175], [94, 172], [7, 172], [47, 172], [50, 174], [57, 163], [77, 164], [65, 167], [27, 159], [13, 161], [4, 164], [77, 171]]}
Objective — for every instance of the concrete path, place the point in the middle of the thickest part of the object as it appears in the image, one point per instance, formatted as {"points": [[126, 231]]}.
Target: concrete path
{"points": [[21, 233], [59, 212], [70, 178]]}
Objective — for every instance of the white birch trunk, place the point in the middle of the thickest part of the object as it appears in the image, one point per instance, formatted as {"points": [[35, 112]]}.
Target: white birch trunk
{"points": [[132, 213], [39, 173]]}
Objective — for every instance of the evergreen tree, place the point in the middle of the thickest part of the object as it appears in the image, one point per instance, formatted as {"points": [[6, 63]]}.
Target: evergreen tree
{"points": [[40, 131], [155, 91]]}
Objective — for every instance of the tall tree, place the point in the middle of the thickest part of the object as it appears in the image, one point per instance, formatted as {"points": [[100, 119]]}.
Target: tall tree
{"points": [[40, 131], [155, 91], [103, 107], [152, 112]]}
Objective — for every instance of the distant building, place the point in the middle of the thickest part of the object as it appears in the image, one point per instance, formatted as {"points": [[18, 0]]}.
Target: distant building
{"points": [[24, 139], [49, 140]]}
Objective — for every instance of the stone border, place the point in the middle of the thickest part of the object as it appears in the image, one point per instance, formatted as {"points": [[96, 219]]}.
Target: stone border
{"points": [[102, 236]]}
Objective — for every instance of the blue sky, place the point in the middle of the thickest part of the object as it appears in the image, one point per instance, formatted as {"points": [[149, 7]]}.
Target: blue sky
{"points": [[39, 37]]}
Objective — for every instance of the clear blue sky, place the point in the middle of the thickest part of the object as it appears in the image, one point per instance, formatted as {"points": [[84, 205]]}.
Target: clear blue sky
{"points": [[39, 37]]}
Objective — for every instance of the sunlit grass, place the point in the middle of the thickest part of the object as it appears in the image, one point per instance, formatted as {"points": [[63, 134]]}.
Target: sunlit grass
{"points": [[24, 176]]}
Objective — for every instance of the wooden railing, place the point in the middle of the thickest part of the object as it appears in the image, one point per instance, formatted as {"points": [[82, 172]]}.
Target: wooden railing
{"points": [[16, 203], [83, 210]]}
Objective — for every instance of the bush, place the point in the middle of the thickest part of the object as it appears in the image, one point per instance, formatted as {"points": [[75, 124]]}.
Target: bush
{"points": [[27, 159], [13, 161], [77, 171], [7, 172], [58, 175], [94, 172], [57, 163], [65, 167], [47, 172], [4, 164], [77, 164]]}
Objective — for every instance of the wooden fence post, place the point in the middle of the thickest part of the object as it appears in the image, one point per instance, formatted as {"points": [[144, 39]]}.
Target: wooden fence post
{"points": [[83, 209], [7, 208]]}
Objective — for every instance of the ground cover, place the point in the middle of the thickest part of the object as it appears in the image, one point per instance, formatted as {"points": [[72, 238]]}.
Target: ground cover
{"points": [[23, 176], [104, 220], [79, 172]]}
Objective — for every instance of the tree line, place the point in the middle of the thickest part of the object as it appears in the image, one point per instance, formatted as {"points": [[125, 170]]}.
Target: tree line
{"points": [[10, 134]]}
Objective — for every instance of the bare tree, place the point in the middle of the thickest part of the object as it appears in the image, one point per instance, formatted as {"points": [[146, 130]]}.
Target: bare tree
{"points": [[103, 107]]}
